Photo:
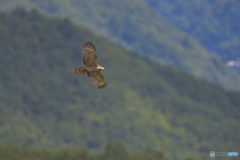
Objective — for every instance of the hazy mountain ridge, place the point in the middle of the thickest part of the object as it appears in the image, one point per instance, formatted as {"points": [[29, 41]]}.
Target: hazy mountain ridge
{"points": [[137, 26], [214, 23], [145, 105]]}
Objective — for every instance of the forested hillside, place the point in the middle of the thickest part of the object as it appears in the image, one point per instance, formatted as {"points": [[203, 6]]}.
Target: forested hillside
{"points": [[214, 23], [112, 151], [145, 105], [137, 26]]}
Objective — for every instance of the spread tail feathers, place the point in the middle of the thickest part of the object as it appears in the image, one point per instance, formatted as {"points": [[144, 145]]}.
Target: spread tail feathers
{"points": [[80, 71]]}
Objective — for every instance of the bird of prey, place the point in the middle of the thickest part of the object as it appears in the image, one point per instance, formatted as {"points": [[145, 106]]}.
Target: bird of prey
{"points": [[93, 69]]}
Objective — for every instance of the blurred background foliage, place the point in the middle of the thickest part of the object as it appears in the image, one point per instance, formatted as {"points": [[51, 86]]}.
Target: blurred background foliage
{"points": [[145, 105], [112, 151]]}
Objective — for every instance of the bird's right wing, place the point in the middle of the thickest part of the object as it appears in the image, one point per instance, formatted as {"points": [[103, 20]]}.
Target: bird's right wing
{"points": [[89, 56]]}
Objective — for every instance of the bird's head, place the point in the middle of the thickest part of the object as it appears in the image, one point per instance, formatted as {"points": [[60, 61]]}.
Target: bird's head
{"points": [[101, 68]]}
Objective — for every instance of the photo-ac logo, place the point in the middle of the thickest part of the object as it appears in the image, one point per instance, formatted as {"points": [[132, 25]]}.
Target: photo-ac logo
{"points": [[213, 154]]}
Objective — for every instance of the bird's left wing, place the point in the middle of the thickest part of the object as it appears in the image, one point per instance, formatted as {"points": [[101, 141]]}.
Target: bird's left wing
{"points": [[97, 78]]}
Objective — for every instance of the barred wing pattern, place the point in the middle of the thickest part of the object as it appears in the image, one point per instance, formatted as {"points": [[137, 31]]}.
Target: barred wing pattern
{"points": [[97, 78], [89, 56]]}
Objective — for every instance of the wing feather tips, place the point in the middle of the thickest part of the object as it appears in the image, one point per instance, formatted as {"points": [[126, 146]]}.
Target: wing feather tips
{"points": [[102, 86], [90, 45]]}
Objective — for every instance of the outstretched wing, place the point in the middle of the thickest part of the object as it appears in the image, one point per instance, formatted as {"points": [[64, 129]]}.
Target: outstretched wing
{"points": [[97, 78], [89, 56]]}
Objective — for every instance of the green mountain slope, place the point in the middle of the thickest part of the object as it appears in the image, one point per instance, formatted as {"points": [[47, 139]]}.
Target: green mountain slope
{"points": [[215, 23], [137, 26], [145, 105], [112, 151]]}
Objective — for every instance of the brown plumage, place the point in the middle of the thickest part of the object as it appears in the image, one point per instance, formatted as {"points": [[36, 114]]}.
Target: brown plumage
{"points": [[93, 69]]}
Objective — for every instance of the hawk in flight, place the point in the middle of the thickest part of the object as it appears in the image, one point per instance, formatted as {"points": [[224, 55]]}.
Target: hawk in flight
{"points": [[93, 69]]}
